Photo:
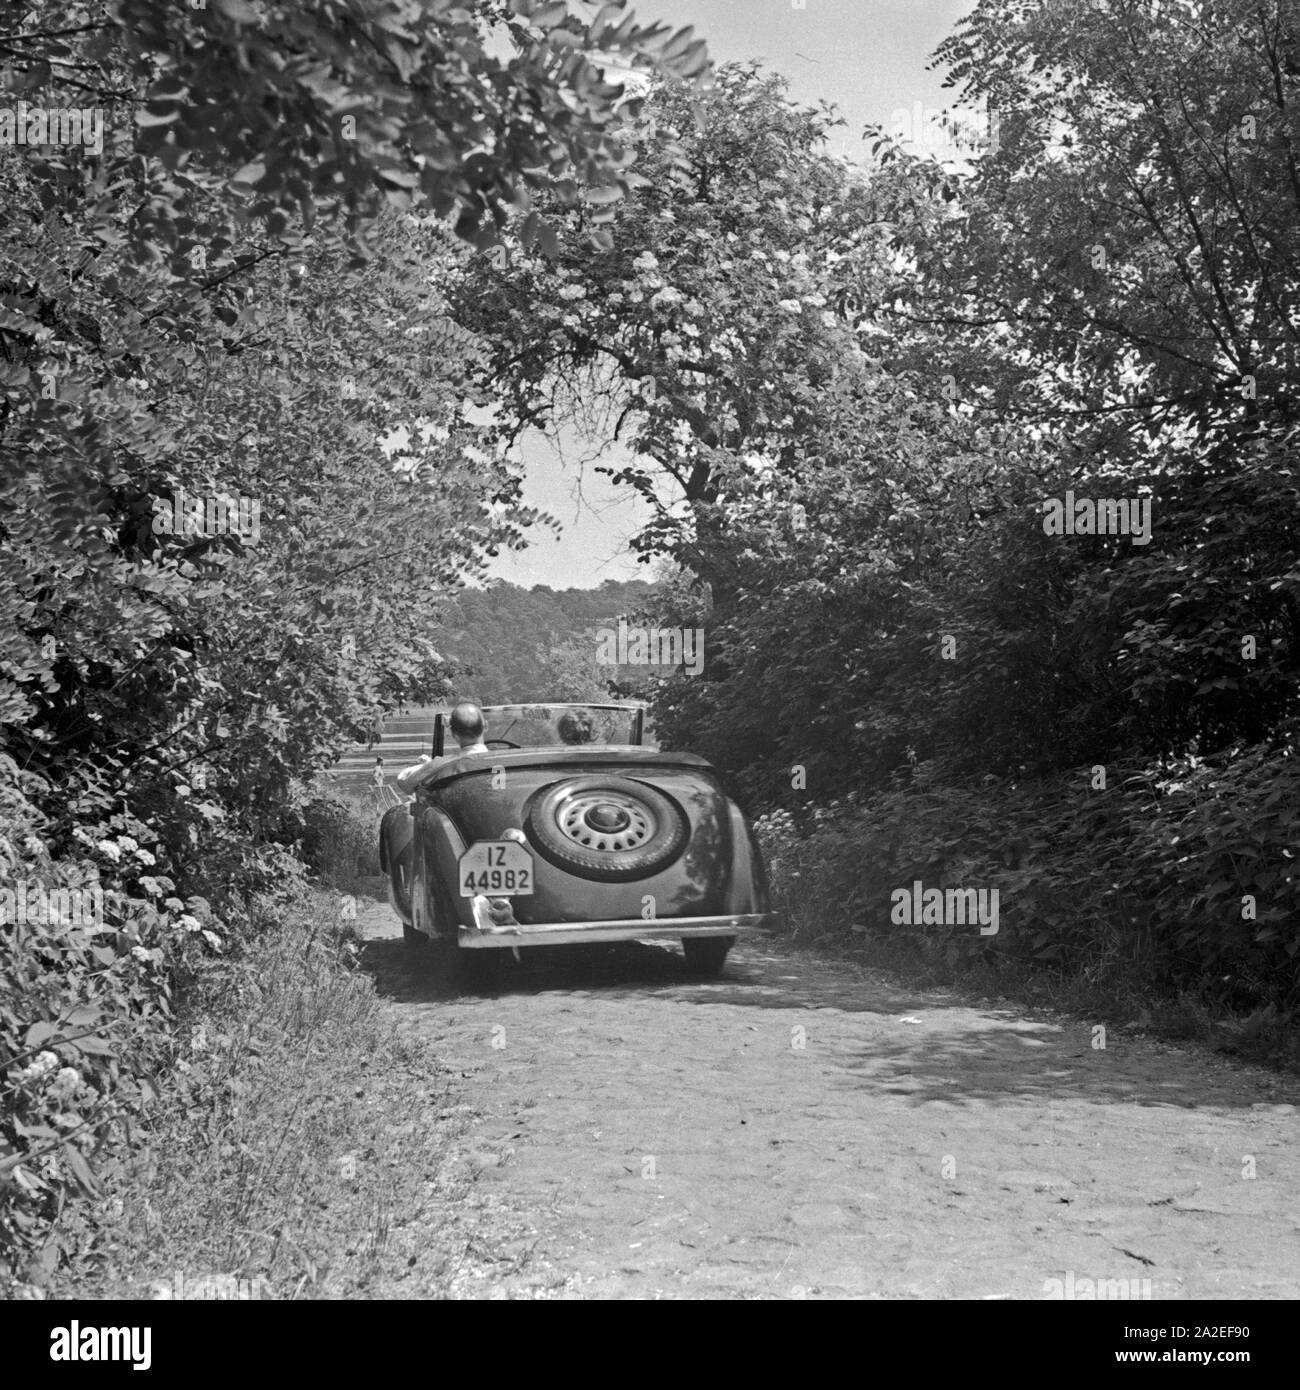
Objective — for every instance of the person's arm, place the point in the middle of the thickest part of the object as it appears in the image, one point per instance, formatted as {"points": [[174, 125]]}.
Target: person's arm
{"points": [[410, 777]]}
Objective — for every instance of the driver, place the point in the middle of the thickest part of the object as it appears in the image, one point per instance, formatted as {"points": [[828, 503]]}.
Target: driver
{"points": [[467, 727]]}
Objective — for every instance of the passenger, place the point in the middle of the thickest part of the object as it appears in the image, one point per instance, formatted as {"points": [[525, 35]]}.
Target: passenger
{"points": [[576, 726]]}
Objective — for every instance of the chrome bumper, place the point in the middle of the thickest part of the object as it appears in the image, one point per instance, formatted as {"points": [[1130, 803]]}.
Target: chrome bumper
{"points": [[487, 934]]}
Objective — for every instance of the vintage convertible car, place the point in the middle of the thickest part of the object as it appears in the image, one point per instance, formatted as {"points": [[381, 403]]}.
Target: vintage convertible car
{"points": [[568, 829]]}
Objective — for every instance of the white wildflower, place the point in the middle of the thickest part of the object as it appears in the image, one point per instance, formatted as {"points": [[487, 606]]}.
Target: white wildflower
{"points": [[65, 1085], [38, 1068]]}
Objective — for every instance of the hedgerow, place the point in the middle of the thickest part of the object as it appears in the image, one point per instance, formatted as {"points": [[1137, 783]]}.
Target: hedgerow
{"points": [[1181, 879], [231, 307]]}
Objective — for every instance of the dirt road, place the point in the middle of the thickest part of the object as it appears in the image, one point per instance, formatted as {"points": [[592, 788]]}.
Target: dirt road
{"points": [[803, 1128]]}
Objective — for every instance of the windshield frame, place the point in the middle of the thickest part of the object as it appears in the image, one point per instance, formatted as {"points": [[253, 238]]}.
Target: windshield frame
{"points": [[442, 738]]}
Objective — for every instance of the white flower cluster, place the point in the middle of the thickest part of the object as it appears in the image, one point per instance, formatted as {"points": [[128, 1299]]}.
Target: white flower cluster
{"points": [[113, 848], [65, 1085], [37, 1069]]}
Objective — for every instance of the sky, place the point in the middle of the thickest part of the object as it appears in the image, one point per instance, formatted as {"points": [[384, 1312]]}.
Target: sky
{"points": [[869, 57]]}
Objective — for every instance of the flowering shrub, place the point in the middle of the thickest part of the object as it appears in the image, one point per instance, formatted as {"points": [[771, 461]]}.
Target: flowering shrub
{"points": [[85, 1007]]}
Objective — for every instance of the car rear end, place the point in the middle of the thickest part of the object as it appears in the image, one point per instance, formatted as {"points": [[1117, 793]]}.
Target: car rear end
{"points": [[594, 845]]}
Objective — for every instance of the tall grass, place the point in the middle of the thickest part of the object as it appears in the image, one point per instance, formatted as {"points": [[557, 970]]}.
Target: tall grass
{"points": [[340, 834], [275, 1163]]}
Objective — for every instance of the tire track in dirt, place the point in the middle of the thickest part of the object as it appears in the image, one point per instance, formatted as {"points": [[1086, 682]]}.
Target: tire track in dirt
{"points": [[803, 1127]]}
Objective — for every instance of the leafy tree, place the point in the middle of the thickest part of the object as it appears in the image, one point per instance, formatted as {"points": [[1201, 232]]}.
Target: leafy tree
{"points": [[861, 491], [234, 293], [710, 337]]}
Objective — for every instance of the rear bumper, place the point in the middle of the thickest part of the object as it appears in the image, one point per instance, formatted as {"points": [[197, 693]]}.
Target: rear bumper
{"points": [[486, 934]]}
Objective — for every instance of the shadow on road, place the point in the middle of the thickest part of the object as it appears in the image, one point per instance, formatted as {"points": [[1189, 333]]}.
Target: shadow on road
{"points": [[921, 1046], [759, 973]]}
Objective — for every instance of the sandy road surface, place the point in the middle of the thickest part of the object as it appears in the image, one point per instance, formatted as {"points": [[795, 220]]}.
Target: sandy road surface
{"points": [[802, 1128]]}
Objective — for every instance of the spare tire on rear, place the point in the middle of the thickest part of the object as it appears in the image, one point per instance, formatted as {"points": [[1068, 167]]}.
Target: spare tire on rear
{"points": [[608, 829]]}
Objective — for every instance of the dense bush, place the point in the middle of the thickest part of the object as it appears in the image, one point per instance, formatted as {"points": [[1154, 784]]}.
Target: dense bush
{"points": [[234, 297], [86, 1010], [1177, 880]]}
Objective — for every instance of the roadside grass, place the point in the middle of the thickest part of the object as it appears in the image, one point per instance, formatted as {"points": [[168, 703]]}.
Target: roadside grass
{"points": [[340, 836], [824, 888], [297, 1149]]}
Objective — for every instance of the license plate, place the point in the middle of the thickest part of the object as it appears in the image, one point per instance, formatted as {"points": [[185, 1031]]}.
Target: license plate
{"points": [[501, 868]]}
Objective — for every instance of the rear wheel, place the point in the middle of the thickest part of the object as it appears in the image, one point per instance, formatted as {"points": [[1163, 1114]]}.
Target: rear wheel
{"points": [[399, 898], [437, 952], [396, 856], [706, 955]]}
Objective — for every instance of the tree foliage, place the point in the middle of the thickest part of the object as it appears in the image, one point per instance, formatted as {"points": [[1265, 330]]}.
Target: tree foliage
{"points": [[851, 396], [230, 289]]}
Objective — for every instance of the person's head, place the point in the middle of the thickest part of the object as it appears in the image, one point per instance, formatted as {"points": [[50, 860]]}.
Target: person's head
{"points": [[379, 762], [467, 723], [575, 726]]}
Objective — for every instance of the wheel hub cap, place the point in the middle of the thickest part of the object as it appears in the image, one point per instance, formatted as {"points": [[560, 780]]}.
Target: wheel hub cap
{"points": [[605, 820]]}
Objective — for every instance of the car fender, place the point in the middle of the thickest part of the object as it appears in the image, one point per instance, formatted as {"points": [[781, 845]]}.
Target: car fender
{"points": [[437, 908], [396, 830], [748, 890]]}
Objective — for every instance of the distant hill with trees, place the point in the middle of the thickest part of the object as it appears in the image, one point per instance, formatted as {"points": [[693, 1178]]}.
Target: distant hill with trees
{"points": [[509, 643]]}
